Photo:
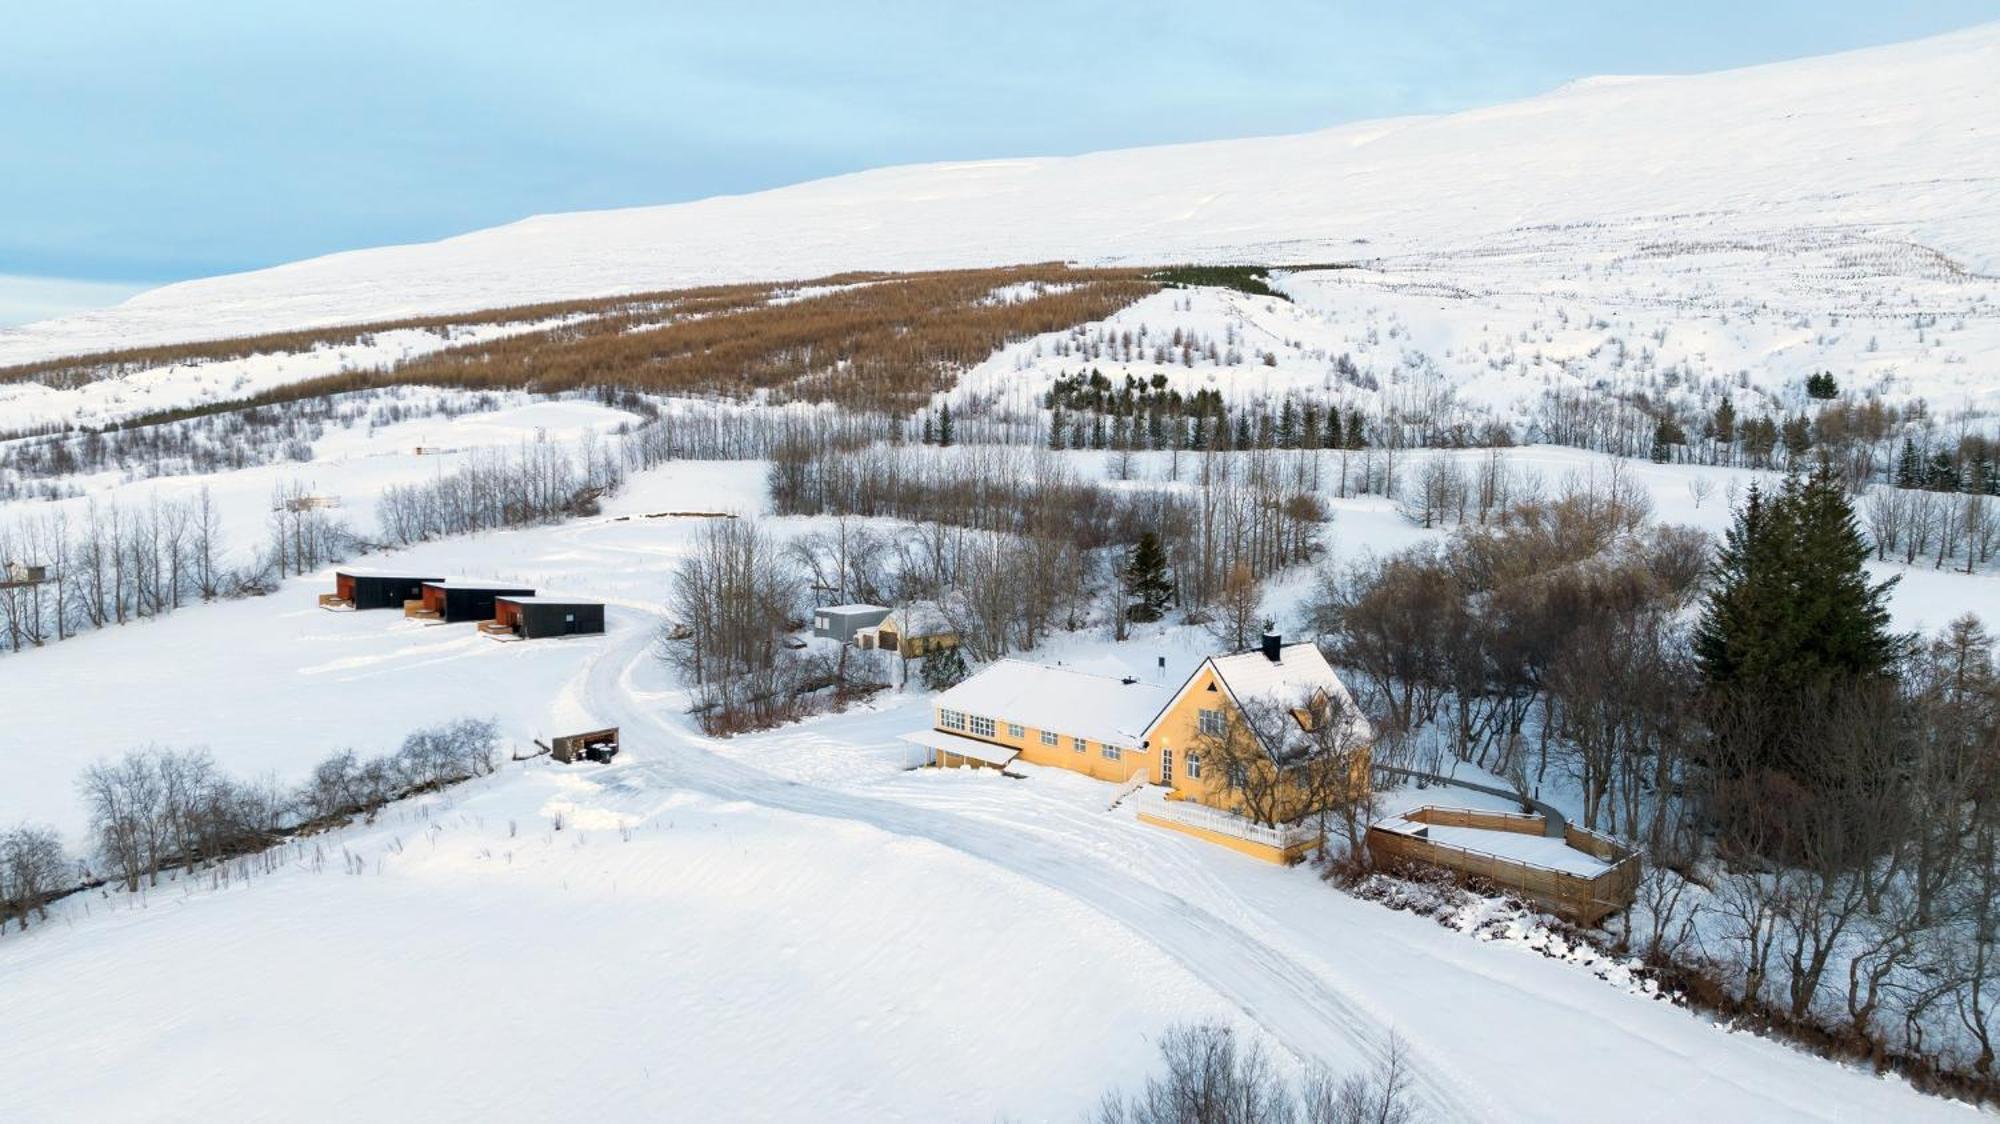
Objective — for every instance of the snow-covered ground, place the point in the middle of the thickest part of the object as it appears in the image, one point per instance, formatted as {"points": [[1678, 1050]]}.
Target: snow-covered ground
{"points": [[789, 925]]}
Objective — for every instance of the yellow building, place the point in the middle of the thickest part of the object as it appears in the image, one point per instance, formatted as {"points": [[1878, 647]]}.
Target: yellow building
{"points": [[1246, 747]]}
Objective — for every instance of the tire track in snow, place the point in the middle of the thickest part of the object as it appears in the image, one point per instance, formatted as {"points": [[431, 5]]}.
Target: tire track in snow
{"points": [[1285, 998]]}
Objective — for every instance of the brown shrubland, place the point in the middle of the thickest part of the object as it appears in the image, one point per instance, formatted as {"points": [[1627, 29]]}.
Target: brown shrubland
{"points": [[864, 340]]}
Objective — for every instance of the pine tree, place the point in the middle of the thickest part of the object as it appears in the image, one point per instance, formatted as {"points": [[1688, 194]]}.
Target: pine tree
{"points": [[1357, 438], [944, 425], [930, 431], [1943, 474], [1242, 440], [1288, 426], [943, 669], [1146, 580], [1910, 471], [1792, 617], [1056, 430], [1662, 448], [1821, 385], [1725, 423]]}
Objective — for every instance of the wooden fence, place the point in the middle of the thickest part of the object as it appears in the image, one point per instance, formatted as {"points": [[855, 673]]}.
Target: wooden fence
{"points": [[1586, 901]]}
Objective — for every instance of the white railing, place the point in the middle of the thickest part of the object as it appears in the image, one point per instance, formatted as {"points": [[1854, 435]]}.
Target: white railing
{"points": [[1230, 824]]}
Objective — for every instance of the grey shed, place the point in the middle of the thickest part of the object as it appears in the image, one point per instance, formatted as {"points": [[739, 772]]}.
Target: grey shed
{"points": [[841, 622]]}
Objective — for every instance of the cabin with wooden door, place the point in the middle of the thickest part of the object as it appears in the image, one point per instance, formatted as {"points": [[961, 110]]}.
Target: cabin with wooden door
{"points": [[374, 589], [912, 631], [457, 599], [531, 618]]}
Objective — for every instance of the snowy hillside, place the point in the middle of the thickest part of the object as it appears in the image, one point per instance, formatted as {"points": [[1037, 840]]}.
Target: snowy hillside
{"points": [[1823, 176]]}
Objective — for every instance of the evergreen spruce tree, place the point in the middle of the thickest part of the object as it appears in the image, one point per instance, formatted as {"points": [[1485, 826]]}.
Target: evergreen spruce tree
{"points": [[944, 425], [1056, 430], [1943, 474], [1146, 582], [1910, 471], [943, 669], [1357, 437], [1242, 440], [1335, 436], [1288, 426], [1792, 617], [930, 431]]}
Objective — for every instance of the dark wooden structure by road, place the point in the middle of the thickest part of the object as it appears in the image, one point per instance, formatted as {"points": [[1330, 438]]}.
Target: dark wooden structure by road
{"points": [[374, 589], [595, 745], [454, 600], [531, 618]]}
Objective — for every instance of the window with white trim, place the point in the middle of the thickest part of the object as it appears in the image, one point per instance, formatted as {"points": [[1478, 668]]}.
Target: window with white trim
{"points": [[1016, 732], [1112, 753], [1079, 744], [1193, 766], [1211, 723], [981, 727], [1050, 737], [951, 719]]}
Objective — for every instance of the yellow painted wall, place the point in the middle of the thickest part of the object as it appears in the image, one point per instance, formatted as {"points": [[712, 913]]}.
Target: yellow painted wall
{"points": [[1179, 729], [1062, 755]]}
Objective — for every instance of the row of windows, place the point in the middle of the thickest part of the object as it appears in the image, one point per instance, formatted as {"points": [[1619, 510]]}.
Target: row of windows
{"points": [[1211, 723], [982, 727]]}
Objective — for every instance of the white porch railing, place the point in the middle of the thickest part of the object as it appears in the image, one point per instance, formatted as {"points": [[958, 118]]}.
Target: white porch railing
{"points": [[1229, 823]]}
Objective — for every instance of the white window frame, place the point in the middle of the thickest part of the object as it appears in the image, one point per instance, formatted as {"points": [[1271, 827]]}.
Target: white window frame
{"points": [[1112, 752], [1051, 738], [951, 719], [980, 726], [1016, 731], [1191, 765], [1211, 722], [1081, 745]]}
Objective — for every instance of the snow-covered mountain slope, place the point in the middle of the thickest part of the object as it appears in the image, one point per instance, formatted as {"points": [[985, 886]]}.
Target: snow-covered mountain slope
{"points": [[1822, 173]]}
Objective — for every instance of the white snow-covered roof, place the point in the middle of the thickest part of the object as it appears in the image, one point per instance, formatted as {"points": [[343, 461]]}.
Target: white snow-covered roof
{"points": [[1293, 679], [1073, 703], [498, 587], [854, 610], [402, 575], [920, 618], [530, 599]]}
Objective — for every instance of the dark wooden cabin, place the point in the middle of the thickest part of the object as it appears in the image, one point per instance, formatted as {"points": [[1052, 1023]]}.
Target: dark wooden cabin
{"points": [[533, 617], [467, 600], [369, 589]]}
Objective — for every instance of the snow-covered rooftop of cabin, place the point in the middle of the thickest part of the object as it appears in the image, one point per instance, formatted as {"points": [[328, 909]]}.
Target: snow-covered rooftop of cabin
{"points": [[855, 610], [498, 587], [920, 618], [405, 575], [1074, 703], [530, 599], [1299, 672]]}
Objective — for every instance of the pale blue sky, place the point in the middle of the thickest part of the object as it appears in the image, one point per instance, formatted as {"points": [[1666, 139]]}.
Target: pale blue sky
{"points": [[147, 142]]}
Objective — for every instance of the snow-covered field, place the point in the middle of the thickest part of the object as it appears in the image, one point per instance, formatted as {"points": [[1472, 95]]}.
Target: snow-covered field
{"points": [[788, 925], [794, 925]]}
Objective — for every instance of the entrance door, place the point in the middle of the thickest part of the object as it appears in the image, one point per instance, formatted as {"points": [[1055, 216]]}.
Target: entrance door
{"points": [[1166, 766]]}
